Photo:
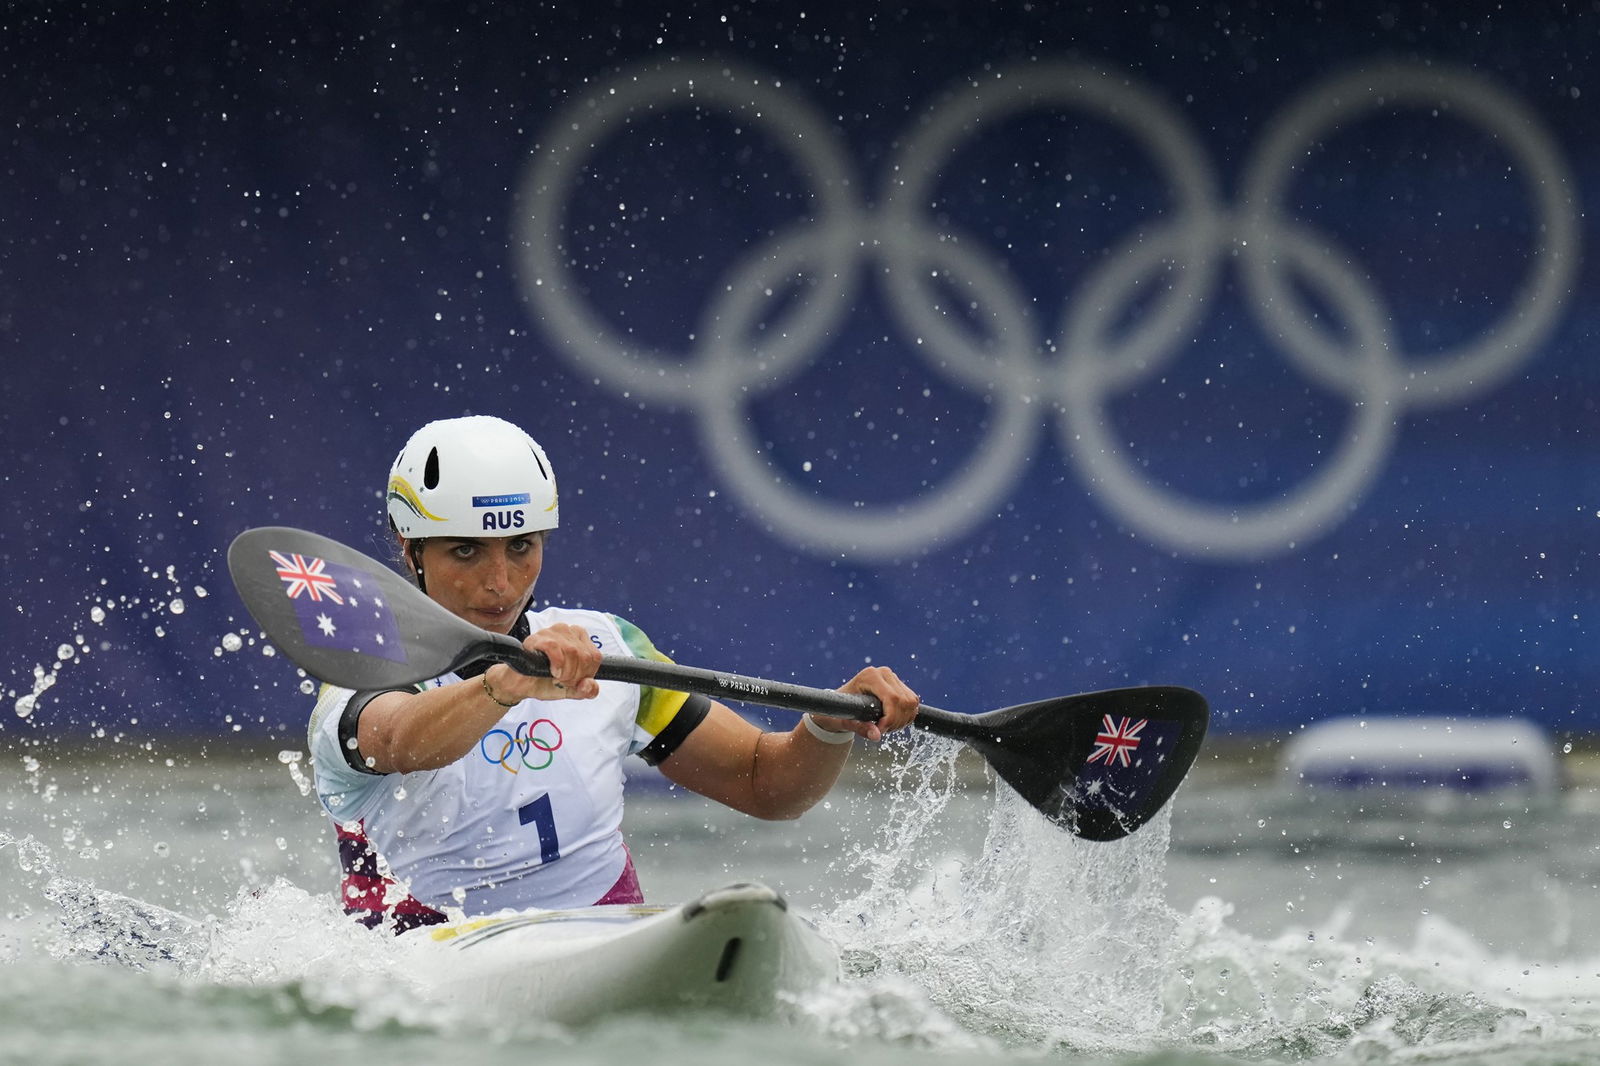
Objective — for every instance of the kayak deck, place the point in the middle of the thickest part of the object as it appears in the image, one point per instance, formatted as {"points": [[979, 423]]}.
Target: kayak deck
{"points": [[737, 949]]}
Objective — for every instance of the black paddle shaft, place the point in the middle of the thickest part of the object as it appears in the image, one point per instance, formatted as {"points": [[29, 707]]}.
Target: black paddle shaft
{"points": [[716, 683]]}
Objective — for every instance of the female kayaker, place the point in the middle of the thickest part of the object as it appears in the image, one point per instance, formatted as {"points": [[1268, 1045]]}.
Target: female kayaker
{"points": [[491, 789]]}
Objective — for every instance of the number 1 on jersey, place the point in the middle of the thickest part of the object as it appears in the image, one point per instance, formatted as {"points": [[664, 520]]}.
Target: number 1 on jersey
{"points": [[538, 812]]}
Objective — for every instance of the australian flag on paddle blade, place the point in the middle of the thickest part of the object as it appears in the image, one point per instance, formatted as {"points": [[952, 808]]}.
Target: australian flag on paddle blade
{"points": [[1128, 756], [339, 606]]}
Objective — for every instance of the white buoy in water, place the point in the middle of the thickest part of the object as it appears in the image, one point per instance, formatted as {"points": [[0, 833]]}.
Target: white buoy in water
{"points": [[1458, 754]]}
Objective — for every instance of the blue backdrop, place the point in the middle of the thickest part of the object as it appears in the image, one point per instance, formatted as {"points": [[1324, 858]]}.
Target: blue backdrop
{"points": [[1028, 350]]}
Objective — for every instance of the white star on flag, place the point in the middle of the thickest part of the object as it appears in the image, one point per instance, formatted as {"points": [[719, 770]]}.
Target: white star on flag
{"points": [[325, 624]]}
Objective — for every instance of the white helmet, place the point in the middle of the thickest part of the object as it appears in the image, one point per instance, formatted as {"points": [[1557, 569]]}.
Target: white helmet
{"points": [[477, 476]]}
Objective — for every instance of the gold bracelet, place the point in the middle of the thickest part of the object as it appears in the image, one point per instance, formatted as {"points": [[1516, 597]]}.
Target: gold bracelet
{"points": [[487, 691]]}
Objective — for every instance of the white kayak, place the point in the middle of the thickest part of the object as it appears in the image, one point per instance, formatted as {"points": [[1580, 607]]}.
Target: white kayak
{"points": [[737, 949]]}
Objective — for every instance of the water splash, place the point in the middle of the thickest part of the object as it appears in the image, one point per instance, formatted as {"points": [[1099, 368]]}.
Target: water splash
{"points": [[1040, 939], [100, 925], [291, 761], [298, 949], [109, 927], [150, 606], [42, 682]]}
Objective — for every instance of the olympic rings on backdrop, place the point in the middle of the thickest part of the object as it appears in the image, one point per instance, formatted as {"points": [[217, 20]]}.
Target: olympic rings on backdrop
{"points": [[1015, 366], [520, 744]]}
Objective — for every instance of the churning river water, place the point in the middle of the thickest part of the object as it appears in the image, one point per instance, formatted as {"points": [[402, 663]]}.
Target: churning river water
{"points": [[179, 909]]}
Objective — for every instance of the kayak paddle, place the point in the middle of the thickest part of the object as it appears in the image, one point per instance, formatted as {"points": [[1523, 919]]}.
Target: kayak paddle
{"points": [[1098, 764]]}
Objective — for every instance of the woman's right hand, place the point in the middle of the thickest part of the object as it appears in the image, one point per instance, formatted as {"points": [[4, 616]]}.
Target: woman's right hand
{"points": [[574, 660]]}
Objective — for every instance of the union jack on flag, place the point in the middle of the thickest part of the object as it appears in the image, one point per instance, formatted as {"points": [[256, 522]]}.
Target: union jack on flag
{"points": [[307, 576], [1117, 740], [339, 607]]}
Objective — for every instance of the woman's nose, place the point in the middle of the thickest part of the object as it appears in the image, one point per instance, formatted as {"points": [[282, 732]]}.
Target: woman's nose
{"points": [[496, 574]]}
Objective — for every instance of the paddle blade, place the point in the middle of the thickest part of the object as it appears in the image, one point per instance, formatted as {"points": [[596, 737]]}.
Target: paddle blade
{"points": [[1100, 764], [344, 617]]}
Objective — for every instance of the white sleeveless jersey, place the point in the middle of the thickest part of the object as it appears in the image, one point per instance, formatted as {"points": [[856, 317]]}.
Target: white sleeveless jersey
{"points": [[531, 816]]}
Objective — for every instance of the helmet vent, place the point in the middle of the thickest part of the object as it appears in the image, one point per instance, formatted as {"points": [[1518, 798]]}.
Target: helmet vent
{"points": [[540, 461], [430, 471]]}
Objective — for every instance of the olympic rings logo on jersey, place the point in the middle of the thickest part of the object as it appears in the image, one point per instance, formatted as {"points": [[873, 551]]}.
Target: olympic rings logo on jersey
{"points": [[518, 746], [1024, 370]]}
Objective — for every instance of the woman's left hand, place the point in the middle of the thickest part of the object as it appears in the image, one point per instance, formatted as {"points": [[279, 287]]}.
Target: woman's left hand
{"points": [[899, 704]]}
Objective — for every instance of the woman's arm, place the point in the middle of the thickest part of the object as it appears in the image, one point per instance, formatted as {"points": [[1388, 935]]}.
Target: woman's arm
{"points": [[780, 775], [401, 732]]}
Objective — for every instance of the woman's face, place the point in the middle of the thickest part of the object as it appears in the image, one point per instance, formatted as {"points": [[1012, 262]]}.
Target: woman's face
{"points": [[486, 580]]}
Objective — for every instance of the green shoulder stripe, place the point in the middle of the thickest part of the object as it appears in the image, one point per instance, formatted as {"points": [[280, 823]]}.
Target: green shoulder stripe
{"points": [[657, 706]]}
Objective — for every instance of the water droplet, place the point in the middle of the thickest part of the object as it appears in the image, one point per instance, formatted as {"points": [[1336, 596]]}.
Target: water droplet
{"points": [[231, 642], [1566, 749], [176, 606], [307, 687], [25, 705], [97, 613], [1506, 824], [161, 848], [400, 793], [64, 652]]}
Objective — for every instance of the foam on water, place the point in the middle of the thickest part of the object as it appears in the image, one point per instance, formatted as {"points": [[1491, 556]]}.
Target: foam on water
{"points": [[288, 951], [1301, 997]]}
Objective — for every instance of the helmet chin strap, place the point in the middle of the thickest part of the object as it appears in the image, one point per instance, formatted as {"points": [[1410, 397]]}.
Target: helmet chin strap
{"points": [[414, 549], [522, 627]]}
